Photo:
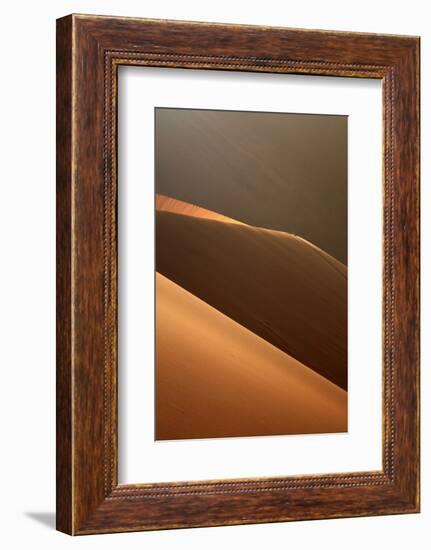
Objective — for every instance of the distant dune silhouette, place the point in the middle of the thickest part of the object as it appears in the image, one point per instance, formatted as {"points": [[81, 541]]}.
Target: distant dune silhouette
{"points": [[281, 171], [215, 378], [278, 286]]}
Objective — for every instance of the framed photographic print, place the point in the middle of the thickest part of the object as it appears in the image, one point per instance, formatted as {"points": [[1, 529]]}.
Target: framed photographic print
{"points": [[237, 274]]}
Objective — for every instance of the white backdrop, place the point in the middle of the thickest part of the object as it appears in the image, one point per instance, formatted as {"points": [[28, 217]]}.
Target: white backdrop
{"points": [[27, 293]]}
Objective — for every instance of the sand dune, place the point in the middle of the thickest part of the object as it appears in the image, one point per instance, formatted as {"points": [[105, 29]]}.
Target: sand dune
{"points": [[279, 286], [168, 204], [215, 378]]}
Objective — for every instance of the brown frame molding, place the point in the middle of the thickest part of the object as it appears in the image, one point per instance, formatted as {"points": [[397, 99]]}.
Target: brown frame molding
{"points": [[89, 51]]}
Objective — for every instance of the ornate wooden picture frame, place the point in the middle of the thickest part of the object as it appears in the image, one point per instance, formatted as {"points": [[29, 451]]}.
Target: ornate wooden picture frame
{"points": [[89, 51]]}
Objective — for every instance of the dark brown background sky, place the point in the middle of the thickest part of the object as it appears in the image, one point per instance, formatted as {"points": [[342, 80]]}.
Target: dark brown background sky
{"points": [[281, 171]]}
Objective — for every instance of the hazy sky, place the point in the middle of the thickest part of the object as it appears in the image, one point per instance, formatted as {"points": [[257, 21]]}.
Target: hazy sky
{"points": [[281, 171]]}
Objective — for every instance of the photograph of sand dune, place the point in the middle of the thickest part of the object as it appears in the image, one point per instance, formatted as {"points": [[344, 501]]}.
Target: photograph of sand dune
{"points": [[251, 274]]}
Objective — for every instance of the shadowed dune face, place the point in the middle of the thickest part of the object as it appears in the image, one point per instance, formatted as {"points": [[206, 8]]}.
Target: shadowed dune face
{"points": [[282, 288], [215, 378]]}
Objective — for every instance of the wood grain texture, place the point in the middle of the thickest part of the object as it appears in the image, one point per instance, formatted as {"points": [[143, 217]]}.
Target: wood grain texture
{"points": [[64, 496], [89, 499]]}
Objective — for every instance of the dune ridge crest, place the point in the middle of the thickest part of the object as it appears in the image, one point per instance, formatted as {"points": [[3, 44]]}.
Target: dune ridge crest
{"points": [[176, 206]]}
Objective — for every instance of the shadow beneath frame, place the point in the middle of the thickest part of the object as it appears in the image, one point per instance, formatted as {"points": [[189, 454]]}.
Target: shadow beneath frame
{"points": [[45, 518]]}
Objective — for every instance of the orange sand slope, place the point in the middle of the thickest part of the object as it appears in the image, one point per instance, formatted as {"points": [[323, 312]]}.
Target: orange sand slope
{"points": [[279, 286], [217, 379], [167, 204]]}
